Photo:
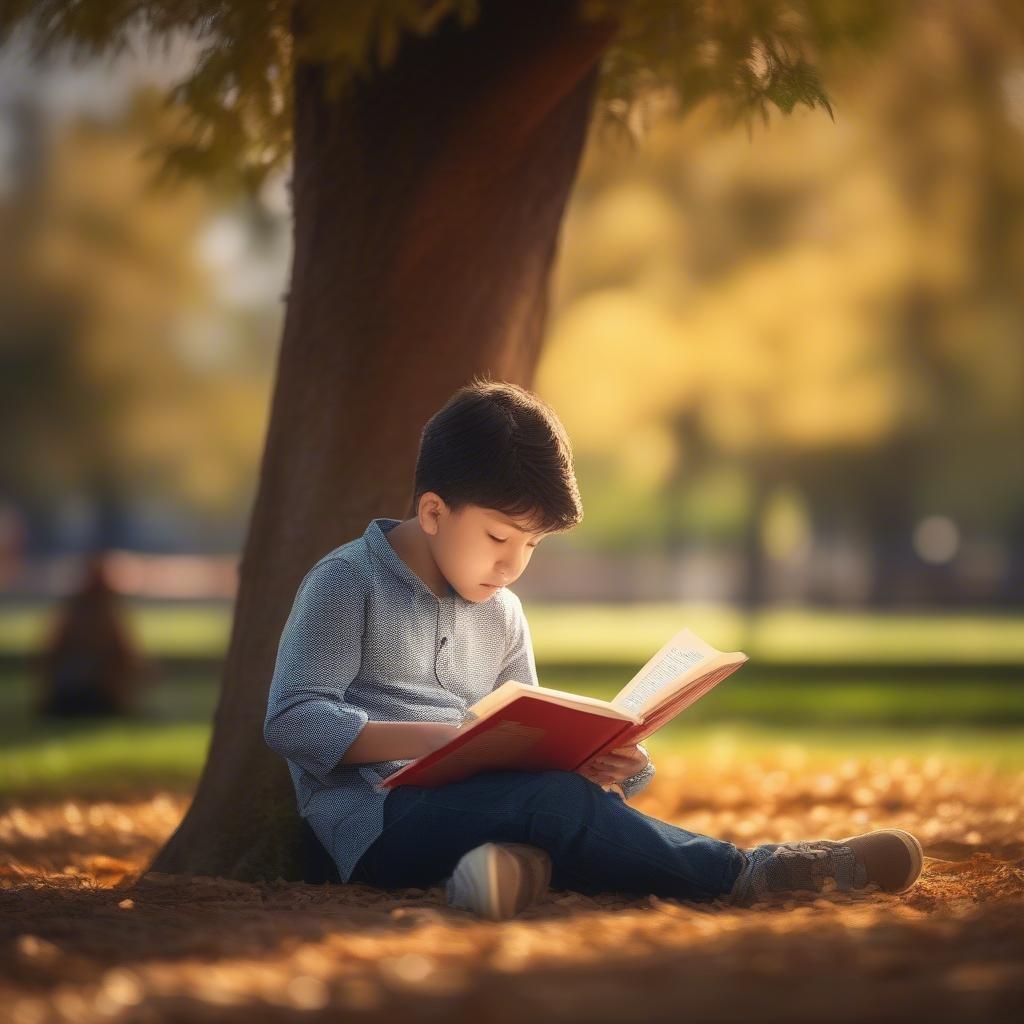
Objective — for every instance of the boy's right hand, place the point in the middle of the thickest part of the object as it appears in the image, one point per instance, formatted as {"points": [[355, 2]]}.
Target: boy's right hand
{"points": [[614, 766]]}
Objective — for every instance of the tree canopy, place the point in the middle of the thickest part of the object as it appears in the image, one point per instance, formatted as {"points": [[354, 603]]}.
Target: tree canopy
{"points": [[751, 55]]}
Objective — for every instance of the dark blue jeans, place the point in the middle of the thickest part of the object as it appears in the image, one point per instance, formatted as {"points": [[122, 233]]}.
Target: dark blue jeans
{"points": [[597, 841]]}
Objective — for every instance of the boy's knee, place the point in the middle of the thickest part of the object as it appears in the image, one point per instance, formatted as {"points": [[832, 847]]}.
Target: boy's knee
{"points": [[563, 789]]}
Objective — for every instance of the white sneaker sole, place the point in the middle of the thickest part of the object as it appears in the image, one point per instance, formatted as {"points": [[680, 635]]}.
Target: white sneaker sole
{"points": [[496, 881], [914, 848]]}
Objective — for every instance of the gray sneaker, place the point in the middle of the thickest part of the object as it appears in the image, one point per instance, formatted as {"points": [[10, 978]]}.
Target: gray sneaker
{"points": [[889, 858], [498, 880]]}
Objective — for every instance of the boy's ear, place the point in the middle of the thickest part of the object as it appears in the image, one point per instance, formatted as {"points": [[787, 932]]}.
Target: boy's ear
{"points": [[430, 511]]}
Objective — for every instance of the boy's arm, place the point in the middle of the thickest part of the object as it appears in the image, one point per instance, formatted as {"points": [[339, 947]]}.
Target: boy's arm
{"points": [[397, 741], [308, 720]]}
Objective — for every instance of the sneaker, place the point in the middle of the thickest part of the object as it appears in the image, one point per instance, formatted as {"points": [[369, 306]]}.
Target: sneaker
{"points": [[498, 880], [889, 858]]}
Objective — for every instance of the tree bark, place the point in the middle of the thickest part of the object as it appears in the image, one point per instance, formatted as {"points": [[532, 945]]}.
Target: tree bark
{"points": [[427, 202]]}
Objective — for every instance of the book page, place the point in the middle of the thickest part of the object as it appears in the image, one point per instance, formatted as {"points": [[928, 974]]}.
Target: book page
{"points": [[681, 657], [511, 690], [664, 712], [676, 661], [683, 699]]}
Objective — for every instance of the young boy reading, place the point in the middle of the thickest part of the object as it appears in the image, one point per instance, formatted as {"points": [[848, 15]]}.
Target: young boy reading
{"points": [[393, 635]]}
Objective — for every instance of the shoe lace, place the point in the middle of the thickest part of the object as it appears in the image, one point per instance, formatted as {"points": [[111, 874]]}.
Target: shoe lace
{"points": [[805, 848], [807, 865]]}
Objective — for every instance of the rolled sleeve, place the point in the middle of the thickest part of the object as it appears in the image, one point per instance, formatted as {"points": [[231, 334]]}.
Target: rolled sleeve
{"points": [[519, 663], [636, 783], [308, 720]]}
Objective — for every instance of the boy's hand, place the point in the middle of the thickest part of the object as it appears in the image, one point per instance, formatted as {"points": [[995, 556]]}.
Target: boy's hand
{"points": [[614, 766]]}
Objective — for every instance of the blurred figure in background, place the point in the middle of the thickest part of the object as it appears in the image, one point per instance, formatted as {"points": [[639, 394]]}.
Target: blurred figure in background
{"points": [[90, 664]]}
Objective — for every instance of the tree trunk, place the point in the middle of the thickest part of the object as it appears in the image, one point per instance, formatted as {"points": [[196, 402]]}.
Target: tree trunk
{"points": [[427, 202]]}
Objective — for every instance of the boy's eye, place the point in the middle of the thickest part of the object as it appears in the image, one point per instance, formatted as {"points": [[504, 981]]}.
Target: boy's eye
{"points": [[502, 540]]}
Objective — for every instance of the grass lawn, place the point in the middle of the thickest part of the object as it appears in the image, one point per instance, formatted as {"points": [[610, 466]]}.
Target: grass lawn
{"points": [[630, 634], [166, 744], [892, 685]]}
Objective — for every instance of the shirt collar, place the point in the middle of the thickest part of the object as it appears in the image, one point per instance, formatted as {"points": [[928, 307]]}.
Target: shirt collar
{"points": [[377, 542]]}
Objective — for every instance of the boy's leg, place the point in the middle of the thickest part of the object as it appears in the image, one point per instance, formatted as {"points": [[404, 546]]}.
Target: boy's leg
{"points": [[597, 842]]}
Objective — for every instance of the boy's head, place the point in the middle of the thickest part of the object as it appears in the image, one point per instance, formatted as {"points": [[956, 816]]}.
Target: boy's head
{"points": [[494, 475]]}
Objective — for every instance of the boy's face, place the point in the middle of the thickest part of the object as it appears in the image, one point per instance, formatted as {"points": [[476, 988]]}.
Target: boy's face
{"points": [[476, 546]]}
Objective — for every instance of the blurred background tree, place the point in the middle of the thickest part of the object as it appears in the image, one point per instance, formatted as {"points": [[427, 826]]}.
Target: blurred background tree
{"points": [[830, 332], [112, 369]]}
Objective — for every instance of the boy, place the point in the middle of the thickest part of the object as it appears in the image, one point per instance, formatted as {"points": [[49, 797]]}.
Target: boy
{"points": [[393, 635]]}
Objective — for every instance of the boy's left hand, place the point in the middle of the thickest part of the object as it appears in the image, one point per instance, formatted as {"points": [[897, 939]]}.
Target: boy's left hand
{"points": [[614, 766]]}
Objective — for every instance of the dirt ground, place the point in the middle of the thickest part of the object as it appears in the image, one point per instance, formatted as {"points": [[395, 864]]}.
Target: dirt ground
{"points": [[84, 937]]}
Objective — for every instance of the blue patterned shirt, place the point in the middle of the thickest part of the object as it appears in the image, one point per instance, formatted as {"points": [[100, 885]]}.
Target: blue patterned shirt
{"points": [[368, 640]]}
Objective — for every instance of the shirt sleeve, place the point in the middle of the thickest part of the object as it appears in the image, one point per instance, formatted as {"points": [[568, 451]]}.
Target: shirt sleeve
{"points": [[519, 663], [635, 783], [308, 720]]}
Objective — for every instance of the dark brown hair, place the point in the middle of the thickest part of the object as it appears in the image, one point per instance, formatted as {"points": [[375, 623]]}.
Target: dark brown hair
{"points": [[497, 445]]}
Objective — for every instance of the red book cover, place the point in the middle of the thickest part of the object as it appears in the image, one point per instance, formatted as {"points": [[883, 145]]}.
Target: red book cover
{"points": [[526, 735], [534, 728]]}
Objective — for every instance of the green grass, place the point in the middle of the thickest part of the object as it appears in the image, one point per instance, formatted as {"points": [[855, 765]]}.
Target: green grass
{"points": [[104, 758], [824, 698], [632, 633], [629, 634], [832, 683], [162, 630], [166, 744]]}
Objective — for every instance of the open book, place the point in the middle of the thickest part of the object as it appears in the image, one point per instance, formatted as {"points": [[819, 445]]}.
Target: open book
{"points": [[519, 727]]}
